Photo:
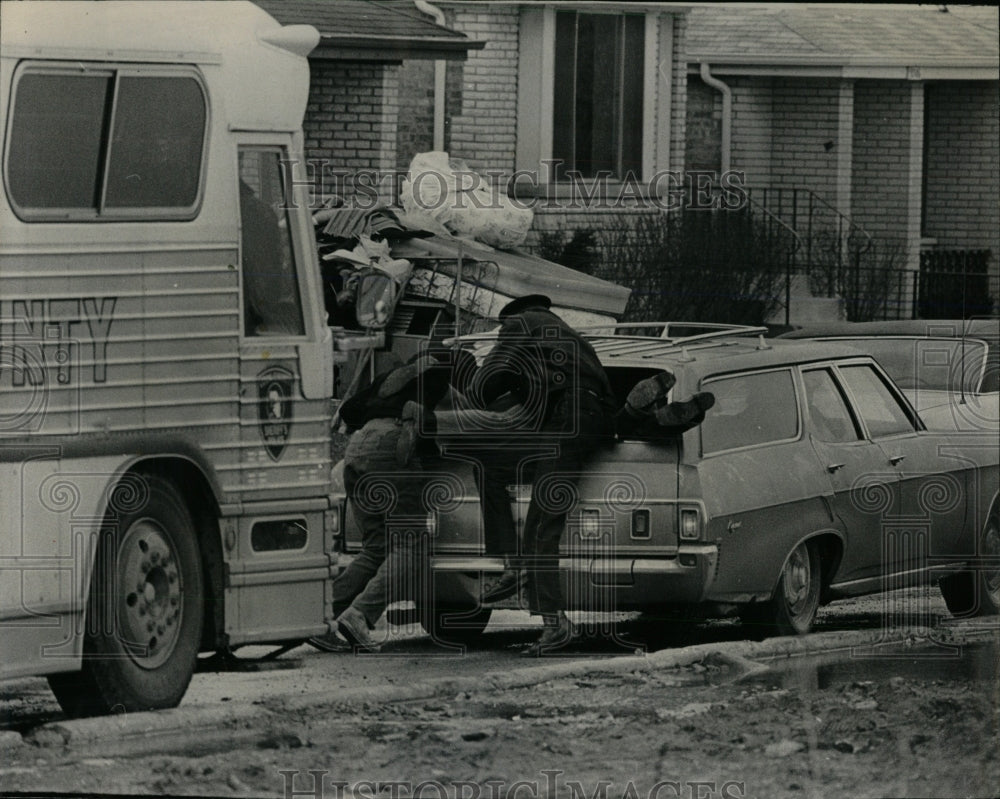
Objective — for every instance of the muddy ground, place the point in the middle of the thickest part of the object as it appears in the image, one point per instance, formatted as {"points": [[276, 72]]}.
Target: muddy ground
{"points": [[697, 731], [919, 723]]}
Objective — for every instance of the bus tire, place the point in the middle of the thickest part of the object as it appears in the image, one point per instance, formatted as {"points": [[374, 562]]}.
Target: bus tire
{"points": [[144, 612]]}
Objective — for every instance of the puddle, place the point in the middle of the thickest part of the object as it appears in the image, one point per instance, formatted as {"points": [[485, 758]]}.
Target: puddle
{"points": [[976, 663]]}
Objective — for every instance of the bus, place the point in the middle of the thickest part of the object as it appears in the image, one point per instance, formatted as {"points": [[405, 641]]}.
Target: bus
{"points": [[166, 367]]}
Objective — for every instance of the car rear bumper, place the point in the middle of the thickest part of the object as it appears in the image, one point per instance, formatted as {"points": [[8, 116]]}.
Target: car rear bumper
{"points": [[589, 583]]}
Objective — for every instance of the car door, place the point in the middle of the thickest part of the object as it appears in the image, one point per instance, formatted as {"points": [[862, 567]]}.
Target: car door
{"points": [[928, 513], [762, 488], [864, 484]]}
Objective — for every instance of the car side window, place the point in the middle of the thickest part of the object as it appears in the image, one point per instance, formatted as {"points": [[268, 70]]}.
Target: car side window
{"points": [[880, 409], [750, 410], [830, 418]]}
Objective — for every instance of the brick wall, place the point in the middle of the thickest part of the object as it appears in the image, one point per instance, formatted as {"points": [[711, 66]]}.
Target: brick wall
{"points": [[881, 160], [351, 117], [804, 134], [784, 130], [751, 128], [962, 136], [481, 119]]}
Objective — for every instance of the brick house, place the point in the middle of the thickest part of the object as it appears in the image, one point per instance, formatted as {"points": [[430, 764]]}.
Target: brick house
{"points": [[486, 81], [354, 120], [562, 90], [875, 127]]}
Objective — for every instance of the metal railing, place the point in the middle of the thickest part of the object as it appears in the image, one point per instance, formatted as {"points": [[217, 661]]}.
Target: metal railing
{"points": [[839, 258]]}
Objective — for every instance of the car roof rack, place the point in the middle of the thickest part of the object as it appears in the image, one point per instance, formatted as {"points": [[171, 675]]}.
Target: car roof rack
{"points": [[615, 346], [712, 330]]}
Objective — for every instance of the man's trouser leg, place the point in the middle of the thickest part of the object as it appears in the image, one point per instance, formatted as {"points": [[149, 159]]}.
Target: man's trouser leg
{"points": [[366, 563], [370, 473], [552, 496], [499, 469], [400, 574]]}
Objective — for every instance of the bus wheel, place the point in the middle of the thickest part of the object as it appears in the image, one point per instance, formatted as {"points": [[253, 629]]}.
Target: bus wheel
{"points": [[144, 613]]}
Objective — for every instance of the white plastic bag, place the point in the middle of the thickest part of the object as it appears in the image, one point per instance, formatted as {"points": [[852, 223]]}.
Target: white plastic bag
{"points": [[445, 191]]}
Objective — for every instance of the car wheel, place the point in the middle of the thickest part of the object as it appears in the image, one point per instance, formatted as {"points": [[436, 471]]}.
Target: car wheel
{"points": [[792, 608], [450, 624], [144, 613], [977, 593]]}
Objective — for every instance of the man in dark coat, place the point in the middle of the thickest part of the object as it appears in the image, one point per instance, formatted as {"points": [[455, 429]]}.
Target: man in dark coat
{"points": [[540, 363]]}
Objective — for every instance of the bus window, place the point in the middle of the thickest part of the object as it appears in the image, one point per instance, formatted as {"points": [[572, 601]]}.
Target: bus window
{"points": [[271, 302]]}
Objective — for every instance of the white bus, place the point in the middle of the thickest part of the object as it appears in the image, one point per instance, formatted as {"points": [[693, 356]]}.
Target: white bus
{"points": [[166, 369]]}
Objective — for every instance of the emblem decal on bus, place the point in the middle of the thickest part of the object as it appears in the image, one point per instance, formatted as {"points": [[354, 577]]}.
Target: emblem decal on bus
{"points": [[275, 409]]}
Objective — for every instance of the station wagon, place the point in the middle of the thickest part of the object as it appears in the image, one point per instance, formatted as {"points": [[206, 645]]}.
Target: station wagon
{"points": [[811, 478]]}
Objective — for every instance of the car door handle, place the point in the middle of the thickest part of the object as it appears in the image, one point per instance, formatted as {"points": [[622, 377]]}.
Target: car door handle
{"points": [[831, 468], [897, 459], [732, 526]]}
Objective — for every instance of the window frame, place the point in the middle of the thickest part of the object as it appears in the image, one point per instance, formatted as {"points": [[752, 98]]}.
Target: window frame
{"points": [[572, 136], [841, 388], [790, 370], [100, 212], [536, 86], [916, 424]]}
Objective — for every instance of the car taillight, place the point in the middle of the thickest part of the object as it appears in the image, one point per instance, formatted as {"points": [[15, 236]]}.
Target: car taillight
{"points": [[641, 527], [690, 524], [590, 523]]}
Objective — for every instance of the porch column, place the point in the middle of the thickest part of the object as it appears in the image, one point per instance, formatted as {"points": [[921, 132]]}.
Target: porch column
{"points": [[845, 145], [915, 194], [915, 176]]}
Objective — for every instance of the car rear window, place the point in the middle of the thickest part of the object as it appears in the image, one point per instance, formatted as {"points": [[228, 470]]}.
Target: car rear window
{"points": [[750, 410]]}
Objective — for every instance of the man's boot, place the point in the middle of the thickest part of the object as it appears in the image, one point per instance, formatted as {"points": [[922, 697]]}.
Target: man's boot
{"points": [[354, 627], [503, 585], [557, 632]]}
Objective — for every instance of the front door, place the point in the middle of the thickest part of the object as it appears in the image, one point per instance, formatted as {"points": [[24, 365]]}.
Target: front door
{"points": [[280, 432], [928, 516]]}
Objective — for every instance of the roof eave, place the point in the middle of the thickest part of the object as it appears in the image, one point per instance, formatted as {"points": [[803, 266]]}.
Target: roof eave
{"points": [[392, 49], [850, 66], [596, 6]]}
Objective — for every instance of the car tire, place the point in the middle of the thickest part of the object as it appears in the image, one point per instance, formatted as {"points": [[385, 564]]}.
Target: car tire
{"points": [[792, 608], [144, 612], [977, 593]]}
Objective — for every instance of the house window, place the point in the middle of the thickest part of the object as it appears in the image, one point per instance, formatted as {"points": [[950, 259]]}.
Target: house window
{"points": [[597, 123]]}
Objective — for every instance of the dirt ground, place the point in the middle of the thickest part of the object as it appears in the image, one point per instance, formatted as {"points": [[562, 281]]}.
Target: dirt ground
{"points": [[914, 725]]}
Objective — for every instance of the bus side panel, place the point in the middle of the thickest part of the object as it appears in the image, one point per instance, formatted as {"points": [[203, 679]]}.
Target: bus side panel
{"points": [[50, 514]]}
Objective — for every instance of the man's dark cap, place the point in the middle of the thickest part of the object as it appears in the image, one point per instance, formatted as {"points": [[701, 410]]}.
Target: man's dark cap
{"points": [[524, 303]]}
